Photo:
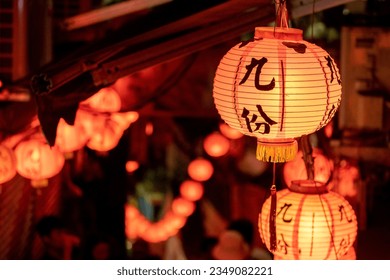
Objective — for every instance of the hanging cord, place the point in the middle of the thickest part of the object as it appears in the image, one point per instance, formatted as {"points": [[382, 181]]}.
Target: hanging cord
{"points": [[309, 164], [272, 216], [281, 14]]}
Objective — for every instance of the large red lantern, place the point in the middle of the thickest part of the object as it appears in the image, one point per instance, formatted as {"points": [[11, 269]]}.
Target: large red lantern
{"points": [[277, 87], [37, 161], [216, 145], [191, 190], [7, 164], [312, 223], [200, 169]]}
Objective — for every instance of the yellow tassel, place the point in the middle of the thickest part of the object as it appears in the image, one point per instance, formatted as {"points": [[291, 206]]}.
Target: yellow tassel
{"points": [[276, 151]]}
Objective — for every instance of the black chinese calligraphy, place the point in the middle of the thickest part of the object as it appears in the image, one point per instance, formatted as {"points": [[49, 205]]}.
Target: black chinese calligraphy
{"points": [[258, 63], [298, 47], [284, 209], [260, 127], [333, 70], [344, 213], [282, 245]]}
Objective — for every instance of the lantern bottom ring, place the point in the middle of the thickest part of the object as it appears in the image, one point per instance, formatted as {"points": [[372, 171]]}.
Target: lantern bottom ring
{"points": [[276, 150]]}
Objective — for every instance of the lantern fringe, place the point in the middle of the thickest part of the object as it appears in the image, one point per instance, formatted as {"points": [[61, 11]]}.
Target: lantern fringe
{"points": [[276, 152]]}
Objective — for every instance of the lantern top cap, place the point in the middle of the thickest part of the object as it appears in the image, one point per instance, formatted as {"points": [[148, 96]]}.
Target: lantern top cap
{"points": [[281, 33], [308, 187]]}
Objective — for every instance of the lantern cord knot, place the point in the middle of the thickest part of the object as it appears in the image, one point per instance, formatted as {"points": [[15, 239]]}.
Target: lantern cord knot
{"points": [[272, 219], [281, 14]]}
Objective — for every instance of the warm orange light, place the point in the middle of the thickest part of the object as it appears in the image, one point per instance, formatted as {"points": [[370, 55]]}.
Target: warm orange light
{"points": [[200, 169], [7, 164], [229, 132], [216, 145], [70, 138], [182, 207], [132, 166], [277, 87], [105, 100], [191, 190], [105, 134], [296, 170], [149, 128], [125, 119], [37, 161], [311, 223]]}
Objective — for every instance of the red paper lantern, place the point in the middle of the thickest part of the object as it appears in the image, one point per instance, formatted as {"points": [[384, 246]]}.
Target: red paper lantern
{"points": [[216, 145], [105, 100], [277, 87], [200, 169], [182, 207], [229, 132], [37, 161], [7, 164], [132, 166], [105, 134], [296, 169], [70, 138], [191, 190], [311, 223]]}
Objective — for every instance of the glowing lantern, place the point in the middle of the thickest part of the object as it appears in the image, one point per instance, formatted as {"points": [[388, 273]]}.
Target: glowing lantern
{"points": [[311, 223], [105, 134], [296, 170], [191, 190], [125, 119], [216, 145], [200, 169], [70, 138], [7, 164], [277, 87], [37, 161], [131, 166], [229, 132], [182, 207], [105, 100]]}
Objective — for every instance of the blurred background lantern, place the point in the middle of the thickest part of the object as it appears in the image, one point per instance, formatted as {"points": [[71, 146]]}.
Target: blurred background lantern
{"points": [[311, 223], [105, 100], [7, 164], [37, 161], [296, 170], [70, 138], [216, 145], [191, 190], [182, 207], [200, 169], [105, 134], [229, 132], [277, 87], [131, 166]]}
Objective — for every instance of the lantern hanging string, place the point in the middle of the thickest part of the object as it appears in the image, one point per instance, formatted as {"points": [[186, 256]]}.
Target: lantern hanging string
{"points": [[309, 164], [272, 216], [281, 14]]}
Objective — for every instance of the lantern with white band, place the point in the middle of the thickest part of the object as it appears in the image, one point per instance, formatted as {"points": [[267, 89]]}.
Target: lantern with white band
{"points": [[277, 87]]}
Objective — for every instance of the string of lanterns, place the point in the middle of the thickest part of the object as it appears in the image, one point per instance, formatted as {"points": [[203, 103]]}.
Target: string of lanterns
{"points": [[278, 87], [99, 125], [199, 170]]}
